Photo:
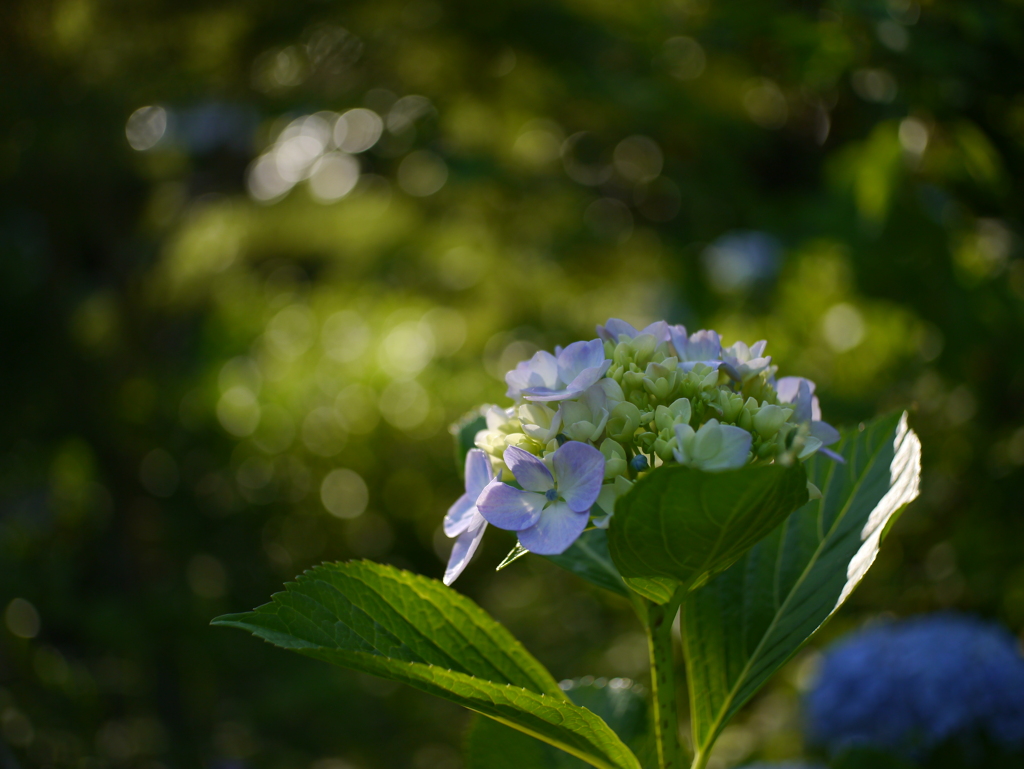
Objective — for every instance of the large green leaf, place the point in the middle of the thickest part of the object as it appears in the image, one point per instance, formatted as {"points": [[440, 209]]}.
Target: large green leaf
{"points": [[619, 702], [745, 623], [401, 626], [678, 525], [588, 558]]}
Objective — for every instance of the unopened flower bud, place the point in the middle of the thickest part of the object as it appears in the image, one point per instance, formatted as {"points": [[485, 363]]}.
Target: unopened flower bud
{"points": [[623, 422], [769, 419], [614, 458], [660, 388], [639, 463], [731, 405], [713, 447], [664, 418], [539, 421], [710, 380], [612, 391], [681, 410], [643, 347], [525, 442], [664, 448]]}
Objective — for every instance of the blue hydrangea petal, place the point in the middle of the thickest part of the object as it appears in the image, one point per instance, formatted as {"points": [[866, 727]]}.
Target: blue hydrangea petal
{"points": [[510, 508], [589, 376], [478, 472], [462, 551], [532, 474], [539, 371], [460, 515], [825, 433], [579, 471], [556, 529], [614, 328], [577, 358], [547, 394]]}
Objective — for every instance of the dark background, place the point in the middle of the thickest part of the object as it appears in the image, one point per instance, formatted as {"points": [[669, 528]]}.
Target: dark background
{"points": [[842, 178]]}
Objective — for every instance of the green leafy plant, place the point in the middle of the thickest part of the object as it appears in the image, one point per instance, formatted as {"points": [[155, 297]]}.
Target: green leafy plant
{"points": [[755, 557]]}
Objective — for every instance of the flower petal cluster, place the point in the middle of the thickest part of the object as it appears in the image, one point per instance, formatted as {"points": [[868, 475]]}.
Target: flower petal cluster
{"points": [[586, 421], [547, 377], [553, 506], [913, 686]]}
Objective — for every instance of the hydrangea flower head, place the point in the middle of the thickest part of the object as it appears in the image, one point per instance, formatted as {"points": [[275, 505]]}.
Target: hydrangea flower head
{"points": [[909, 687], [590, 419]]}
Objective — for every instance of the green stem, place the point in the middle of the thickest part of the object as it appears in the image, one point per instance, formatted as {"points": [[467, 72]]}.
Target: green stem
{"points": [[700, 758], [658, 626]]}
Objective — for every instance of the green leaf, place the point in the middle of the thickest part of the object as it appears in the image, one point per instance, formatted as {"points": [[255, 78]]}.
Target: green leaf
{"points": [[679, 525], [464, 432], [747, 622], [407, 628], [619, 702], [588, 558]]}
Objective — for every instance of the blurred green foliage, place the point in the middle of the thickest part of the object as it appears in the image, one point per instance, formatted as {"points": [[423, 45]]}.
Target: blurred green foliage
{"points": [[214, 378]]}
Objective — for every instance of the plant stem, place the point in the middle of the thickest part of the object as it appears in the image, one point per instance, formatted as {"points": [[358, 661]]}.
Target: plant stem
{"points": [[658, 626]]}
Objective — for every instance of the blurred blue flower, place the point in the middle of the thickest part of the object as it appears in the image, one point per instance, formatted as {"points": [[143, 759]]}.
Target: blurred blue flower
{"points": [[910, 686], [740, 259]]}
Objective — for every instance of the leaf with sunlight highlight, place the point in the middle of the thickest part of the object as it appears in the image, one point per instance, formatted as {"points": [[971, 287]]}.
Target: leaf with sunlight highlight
{"points": [[748, 621]]}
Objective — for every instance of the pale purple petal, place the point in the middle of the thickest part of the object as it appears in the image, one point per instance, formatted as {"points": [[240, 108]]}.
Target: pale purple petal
{"points": [[539, 371], [658, 329], [532, 474], [577, 357], [757, 350], [824, 432], [546, 394], [803, 402], [735, 449], [508, 507], [579, 469], [462, 552], [703, 345], [614, 328], [677, 335], [789, 387], [588, 377], [556, 530], [460, 515], [815, 409], [835, 457], [478, 472], [690, 365], [799, 392]]}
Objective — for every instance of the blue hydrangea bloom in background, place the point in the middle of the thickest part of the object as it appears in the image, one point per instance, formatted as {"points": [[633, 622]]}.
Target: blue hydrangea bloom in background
{"points": [[910, 686]]}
